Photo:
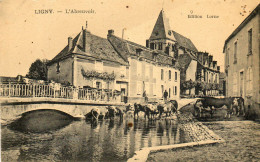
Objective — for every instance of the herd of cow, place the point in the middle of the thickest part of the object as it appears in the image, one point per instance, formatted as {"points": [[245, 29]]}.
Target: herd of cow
{"points": [[150, 111], [168, 108]]}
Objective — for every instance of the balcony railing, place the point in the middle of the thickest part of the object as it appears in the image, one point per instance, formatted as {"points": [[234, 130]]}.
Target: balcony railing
{"points": [[28, 90]]}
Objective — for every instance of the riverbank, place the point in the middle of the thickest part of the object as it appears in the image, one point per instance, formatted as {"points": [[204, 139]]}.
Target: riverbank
{"points": [[242, 142]]}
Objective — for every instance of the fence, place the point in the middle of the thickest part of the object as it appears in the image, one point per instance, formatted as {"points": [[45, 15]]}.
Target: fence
{"points": [[28, 90]]}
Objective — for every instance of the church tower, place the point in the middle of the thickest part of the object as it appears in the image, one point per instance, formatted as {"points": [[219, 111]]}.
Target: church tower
{"points": [[162, 37]]}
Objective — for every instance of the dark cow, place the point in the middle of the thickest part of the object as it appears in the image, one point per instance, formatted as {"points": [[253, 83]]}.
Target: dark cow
{"points": [[119, 113], [149, 110], [95, 114], [111, 112], [175, 106], [210, 104]]}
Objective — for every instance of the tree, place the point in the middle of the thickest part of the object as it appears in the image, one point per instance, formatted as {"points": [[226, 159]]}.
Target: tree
{"points": [[38, 70], [189, 84]]}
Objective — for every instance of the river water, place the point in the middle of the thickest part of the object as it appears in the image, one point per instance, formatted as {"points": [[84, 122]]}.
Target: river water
{"points": [[108, 140]]}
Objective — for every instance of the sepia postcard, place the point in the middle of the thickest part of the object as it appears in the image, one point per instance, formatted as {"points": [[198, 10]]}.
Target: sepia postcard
{"points": [[129, 80]]}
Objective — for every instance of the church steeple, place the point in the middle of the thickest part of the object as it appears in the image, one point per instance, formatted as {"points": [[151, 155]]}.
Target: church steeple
{"points": [[162, 28]]}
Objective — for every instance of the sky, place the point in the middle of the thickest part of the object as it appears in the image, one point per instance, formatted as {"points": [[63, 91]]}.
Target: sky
{"points": [[26, 36]]}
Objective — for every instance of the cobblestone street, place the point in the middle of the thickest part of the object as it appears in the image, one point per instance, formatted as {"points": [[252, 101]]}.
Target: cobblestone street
{"points": [[242, 142]]}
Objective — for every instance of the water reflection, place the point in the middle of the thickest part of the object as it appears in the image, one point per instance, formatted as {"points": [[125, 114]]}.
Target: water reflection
{"points": [[41, 121], [108, 140]]}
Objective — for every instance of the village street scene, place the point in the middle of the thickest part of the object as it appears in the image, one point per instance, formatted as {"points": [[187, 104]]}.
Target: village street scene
{"points": [[130, 81]]}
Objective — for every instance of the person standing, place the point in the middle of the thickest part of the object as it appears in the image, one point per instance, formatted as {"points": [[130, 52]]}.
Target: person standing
{"points": [[145, 96], [165, 95]]}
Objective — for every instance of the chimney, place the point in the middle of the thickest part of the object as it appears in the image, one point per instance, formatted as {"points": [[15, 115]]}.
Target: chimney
{"points": [[110, 32], [86, 38], [210, 58], [147, 43], [214, 64], [69, 43], [205, 57], [200, 56]]}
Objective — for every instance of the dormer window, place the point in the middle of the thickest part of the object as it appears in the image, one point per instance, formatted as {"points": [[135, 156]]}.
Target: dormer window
{"points": [[58, 67], [138, 51], [154, 56], [152, 45], [156, 33], [173, 62], [169, 32], [160, 46]]}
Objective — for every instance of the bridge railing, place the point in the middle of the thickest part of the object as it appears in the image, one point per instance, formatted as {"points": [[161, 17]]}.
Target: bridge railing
{"points": [[28, 90]]}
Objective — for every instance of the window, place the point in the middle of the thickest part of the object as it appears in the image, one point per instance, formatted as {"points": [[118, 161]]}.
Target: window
{"points": [[175, 90], [147, 70], [160, 46], [139, 88], [173, 48], [154, 89], [170, 75], [98, 85], [250, 42], [176, 76], [235, 84], [152, 45], [138, 51], [162, 88], [155, 46], [139, 68], [235, 52], [58, 67], [249, 80], [99, 66], [227, 57], [169, 92], [162, 74]]}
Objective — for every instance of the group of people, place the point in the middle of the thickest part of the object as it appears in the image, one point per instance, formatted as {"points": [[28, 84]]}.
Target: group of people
{"points": [[165, 96]]}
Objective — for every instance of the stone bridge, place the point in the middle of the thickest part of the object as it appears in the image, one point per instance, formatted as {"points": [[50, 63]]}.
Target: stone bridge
{"points": [[13, 108]]}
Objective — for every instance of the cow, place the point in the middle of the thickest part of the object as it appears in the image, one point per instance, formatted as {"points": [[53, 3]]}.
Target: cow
{"points": [[111, 112], [130, 110], [95, 114], [137, 109], [169, 107], [119, 113], [175, 106], [210, 104], [150, 111]]}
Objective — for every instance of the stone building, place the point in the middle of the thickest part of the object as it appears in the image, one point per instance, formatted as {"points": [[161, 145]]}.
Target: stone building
{"points": [[89, 61], [242, 61], [193, 65]]}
